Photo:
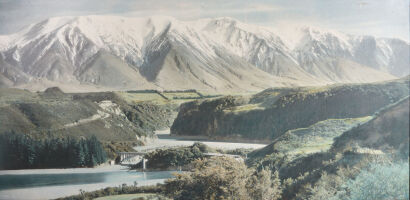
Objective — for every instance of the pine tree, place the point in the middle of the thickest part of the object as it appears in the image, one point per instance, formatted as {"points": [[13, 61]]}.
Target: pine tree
{"points": [[86, 151], [30, 153], [80, 156]]}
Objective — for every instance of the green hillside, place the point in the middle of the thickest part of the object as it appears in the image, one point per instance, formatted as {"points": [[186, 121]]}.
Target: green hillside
{"points": [[304, 141], [369, 159], [269, 114]]}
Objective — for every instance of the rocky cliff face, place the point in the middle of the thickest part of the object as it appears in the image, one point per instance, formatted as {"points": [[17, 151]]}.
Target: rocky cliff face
{"points": [[272, 112]]}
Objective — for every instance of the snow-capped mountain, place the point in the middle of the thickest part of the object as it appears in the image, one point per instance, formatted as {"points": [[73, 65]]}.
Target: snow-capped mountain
{"points": [[110, 52]]}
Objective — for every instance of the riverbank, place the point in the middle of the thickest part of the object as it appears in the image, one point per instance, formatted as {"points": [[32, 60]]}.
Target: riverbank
{"points": [[98, 169], [166, 134], [166, 140], [233, 139]]}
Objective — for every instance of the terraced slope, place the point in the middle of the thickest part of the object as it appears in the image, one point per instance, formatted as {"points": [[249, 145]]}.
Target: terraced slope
{"points": [[106, 115]]}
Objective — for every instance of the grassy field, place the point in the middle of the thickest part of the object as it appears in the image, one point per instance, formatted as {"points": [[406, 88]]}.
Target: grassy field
{"points": [[132, 197], [10, 95], [168, 97], [172, 95], [138, 97]]}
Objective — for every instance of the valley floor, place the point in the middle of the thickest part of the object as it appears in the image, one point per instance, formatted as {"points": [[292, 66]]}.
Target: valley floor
{"points": [[165, 140]]}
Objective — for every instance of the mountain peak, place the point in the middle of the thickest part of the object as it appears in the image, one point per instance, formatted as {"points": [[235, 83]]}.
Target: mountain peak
{"points": [[225, 20], [65, 47]]}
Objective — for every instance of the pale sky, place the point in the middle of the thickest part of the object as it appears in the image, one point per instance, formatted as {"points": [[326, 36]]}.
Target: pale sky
{"points": [[382, 18]]}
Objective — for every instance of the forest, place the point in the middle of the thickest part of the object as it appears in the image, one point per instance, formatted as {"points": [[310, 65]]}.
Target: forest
{"points": [[20, 151]]}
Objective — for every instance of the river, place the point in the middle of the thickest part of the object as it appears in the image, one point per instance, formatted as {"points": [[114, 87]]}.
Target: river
{"points": [[53, 183]]}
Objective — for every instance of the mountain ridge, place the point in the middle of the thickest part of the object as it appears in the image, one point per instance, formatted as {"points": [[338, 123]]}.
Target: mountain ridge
{"points": [[57, 49]]}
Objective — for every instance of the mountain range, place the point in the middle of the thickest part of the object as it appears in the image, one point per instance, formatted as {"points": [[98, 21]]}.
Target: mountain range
{"points": [[89, 53]]}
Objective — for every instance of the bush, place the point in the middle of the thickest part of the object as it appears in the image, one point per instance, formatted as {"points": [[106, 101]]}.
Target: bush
{"points": [[180, 156], [264, 185], [381, 181], [123, 189], [223, 178]]}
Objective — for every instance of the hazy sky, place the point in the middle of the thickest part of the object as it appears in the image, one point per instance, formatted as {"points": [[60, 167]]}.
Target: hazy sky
{"points": [[383, 18]]}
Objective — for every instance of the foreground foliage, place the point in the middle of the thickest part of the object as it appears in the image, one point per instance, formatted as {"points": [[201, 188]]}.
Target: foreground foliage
{"points": [[223, 178], [381, 182], [122, 189], [142, 196]]}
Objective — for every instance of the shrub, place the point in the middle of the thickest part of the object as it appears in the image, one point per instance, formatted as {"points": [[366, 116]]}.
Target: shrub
{"points": [[173, 157], [223, 178], [381, 181]]}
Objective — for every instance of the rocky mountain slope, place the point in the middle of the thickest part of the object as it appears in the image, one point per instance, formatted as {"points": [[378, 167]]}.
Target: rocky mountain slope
{"points": [[269, 114], [222, 54]]}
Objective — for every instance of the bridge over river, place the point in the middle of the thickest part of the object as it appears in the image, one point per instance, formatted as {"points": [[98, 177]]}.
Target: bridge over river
{"points": [[132, 158]]}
